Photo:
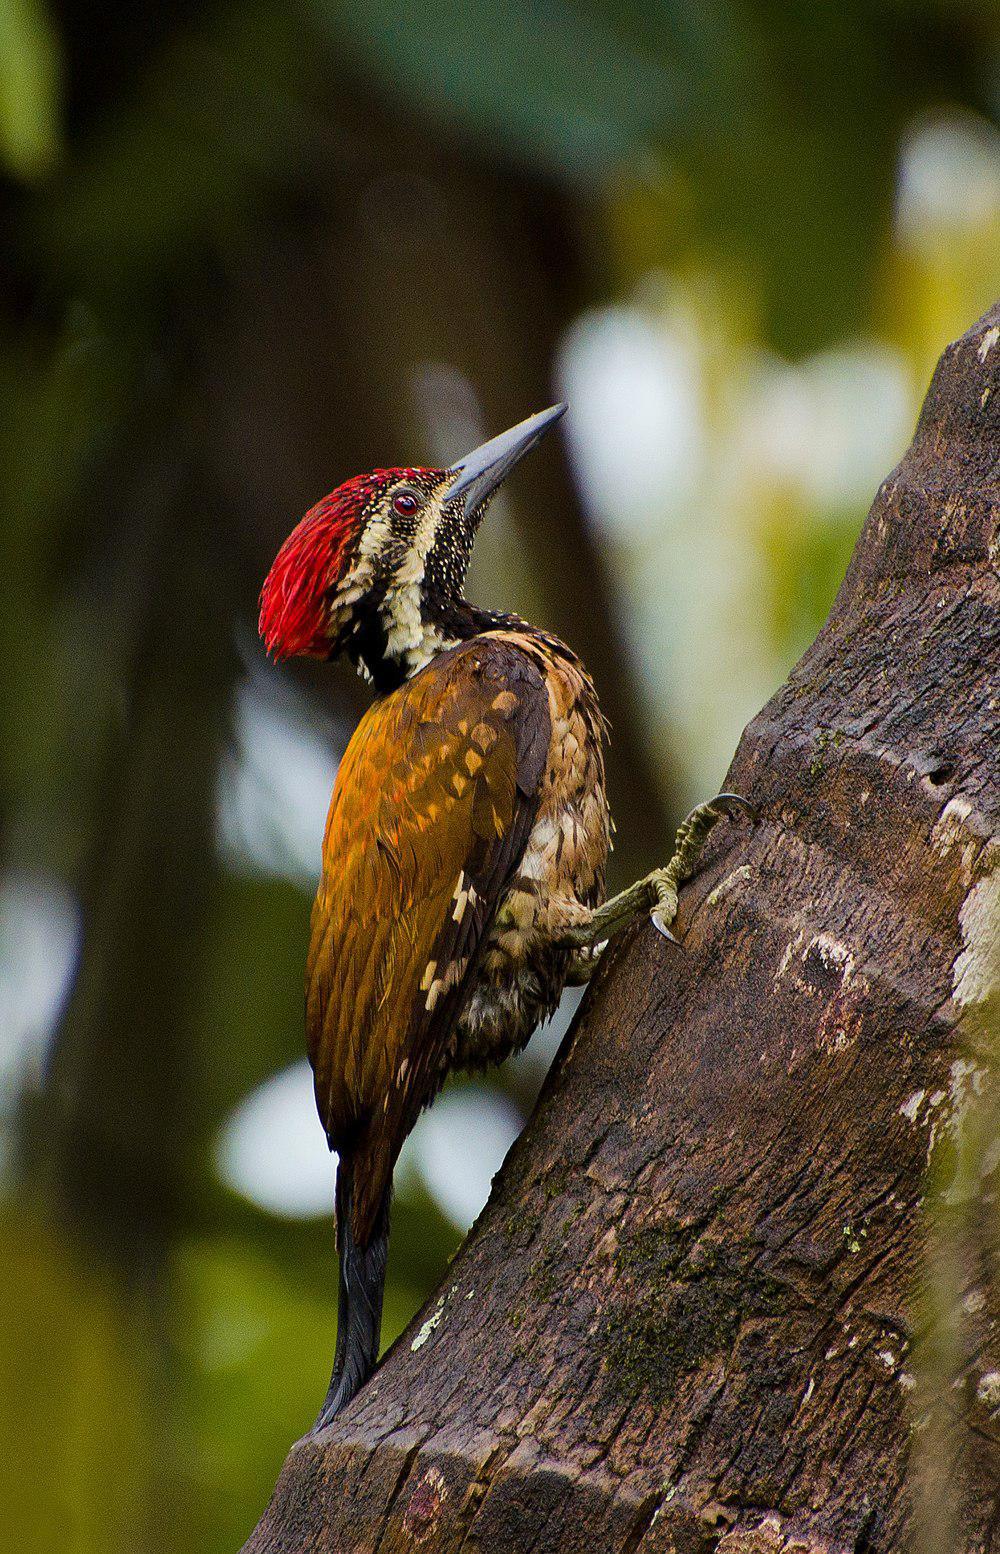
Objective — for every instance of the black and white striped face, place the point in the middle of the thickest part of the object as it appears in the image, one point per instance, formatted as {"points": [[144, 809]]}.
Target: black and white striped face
{"points": [[415, 538], [407, 570], [398, 601]]}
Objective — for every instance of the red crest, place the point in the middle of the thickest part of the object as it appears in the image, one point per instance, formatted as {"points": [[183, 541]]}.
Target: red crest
{"points": [[294, 601]]}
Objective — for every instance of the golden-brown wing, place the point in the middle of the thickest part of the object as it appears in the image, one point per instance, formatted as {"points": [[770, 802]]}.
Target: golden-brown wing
{"points": [[430, 815]]}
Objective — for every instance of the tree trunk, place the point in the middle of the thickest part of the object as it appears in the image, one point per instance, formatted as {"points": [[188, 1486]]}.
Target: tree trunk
{"points": [[686, 1319]]}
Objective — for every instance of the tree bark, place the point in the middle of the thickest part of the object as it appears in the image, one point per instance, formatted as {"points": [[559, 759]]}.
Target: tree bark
{"points": [[685, 1321]]}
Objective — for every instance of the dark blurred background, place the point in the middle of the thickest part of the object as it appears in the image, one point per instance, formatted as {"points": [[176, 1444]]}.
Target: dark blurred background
{"points": [[249, 249]]}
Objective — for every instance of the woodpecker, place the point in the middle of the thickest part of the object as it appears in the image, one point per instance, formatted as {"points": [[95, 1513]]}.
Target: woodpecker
{"points": [[463, 859]]}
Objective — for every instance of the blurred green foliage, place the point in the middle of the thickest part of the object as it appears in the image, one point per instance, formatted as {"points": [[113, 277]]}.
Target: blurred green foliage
{"points": [[29, 89], [235, 236]]}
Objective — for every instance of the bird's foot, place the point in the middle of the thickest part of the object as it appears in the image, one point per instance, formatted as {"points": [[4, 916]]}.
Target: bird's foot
{"points": [[692, 834], [664, 890], [655, 893]]}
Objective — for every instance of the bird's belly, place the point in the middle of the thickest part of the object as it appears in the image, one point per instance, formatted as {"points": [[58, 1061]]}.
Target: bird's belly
{"points": [[506, 1004], [523, 969]]}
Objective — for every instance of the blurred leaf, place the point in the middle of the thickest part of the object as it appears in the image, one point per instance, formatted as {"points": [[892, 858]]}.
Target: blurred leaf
{"points": [[173, 168], [806, 562], [29, 88], [250, 1025], [63, 399], [558, 82], [74, 1371], [252, 1343]]}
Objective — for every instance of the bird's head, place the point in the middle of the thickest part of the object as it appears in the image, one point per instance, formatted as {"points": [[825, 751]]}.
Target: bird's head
{"points": [[376, 568]]}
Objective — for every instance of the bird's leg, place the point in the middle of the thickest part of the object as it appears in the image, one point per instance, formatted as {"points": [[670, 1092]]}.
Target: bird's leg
{"points": [[657, 892]]}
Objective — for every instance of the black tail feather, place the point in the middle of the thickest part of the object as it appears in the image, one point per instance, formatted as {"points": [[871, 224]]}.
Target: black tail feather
{"points": [[359, 1307]]}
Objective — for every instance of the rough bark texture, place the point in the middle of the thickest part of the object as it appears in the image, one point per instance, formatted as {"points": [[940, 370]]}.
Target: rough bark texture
{"points": [[684, 1320]]}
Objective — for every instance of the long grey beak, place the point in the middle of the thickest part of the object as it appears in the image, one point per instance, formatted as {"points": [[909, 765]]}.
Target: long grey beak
{"points": [[480, 472]]}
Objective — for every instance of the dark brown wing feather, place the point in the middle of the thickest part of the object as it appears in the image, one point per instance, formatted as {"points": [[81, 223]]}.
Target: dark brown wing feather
{"points": [[430, 816]]}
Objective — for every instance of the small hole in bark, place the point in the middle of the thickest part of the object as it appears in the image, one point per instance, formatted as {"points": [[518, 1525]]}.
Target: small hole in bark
{"points": [[940, 773]]}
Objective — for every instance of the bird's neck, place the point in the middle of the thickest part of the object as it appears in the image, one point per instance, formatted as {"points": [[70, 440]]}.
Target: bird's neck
{"points": [[406, 630]]}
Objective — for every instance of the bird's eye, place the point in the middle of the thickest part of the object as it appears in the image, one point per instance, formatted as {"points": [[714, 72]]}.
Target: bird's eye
{"points": [[405, 503]]}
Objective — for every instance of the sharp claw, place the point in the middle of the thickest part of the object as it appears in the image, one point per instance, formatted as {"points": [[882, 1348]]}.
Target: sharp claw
{"points": [[733, 804], [662, 928]]}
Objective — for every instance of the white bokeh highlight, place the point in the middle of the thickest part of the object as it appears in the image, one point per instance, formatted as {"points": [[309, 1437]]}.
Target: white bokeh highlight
{"points": [[828, 426], [949, 178], [274, 788], [272, 1150], [40, 935], [635, 433], [458, 1146]]}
